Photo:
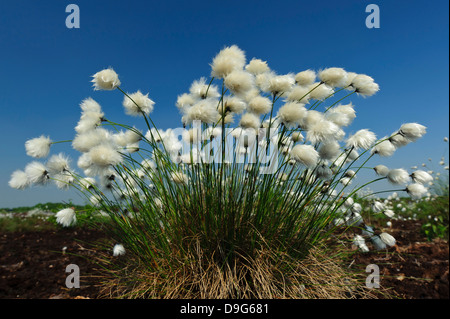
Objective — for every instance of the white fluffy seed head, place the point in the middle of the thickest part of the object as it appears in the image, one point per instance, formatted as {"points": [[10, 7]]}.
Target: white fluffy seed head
{"points": [[291, 114], [412, 131], [239, 82], [421, 177], [232, 104], [201, 90], [305, 78], [180, 178], [398, 176], [298, 94], [259, 105], [85, 141], [204, 111], [58, 163], [385, 148], [361, 139], [137, 104], [250, 120], [38, 147], [37, 173], [104, 155], [90, 105], [364, 85], [280, 84], [228, 59], [416, 190], [321, 131], [66, 217], [118, 250], [305, 154], [387, 239], [257, 66], [381, 170], [19, 180], [320, 91], [334, 77], [329, 150], [106, 79]]}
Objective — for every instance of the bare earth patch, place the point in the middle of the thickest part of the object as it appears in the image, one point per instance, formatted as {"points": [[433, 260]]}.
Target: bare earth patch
{"points": [[33, 265]]}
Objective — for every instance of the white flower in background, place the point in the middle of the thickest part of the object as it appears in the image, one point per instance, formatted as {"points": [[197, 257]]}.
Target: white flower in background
{"points": [[381, 170], [89, 121], [320, 91], [204, 111], [349, 202], [37, 173], [85, 141], [398, 140], [239, 82], [136, 104], [232, 104], [347, 109], [305, 154], [299, 94], [297, 136], [416, 190], [118, 250], [250, 120], [398, 176], [359, 242], [329, 150], [259, 105], [180, 178], [378, 207], [104, 155], [291, 114], [334, 77], [421, 177], [364, 85], [66, 217], [106, 80], [38, 147], [361, 139], [87, 182], [19, 180], [201, 90], [185, 100], [280, 84], [387, 239], [90, 105], [257, 66], [57, 164], [384, 148], [412, 131], [348, 82], [389, 213], [322, 130], [228, 59], [305, 78]]}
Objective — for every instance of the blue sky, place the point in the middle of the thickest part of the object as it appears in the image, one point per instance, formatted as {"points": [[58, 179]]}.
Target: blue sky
{"points": [[160, 47]]}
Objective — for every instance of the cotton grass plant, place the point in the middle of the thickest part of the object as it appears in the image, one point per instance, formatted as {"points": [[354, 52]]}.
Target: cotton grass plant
{"points": [[240, 199]]}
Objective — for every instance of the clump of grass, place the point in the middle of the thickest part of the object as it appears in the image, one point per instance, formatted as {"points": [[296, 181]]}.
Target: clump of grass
{"points": [[226, 211], [269, 275]]}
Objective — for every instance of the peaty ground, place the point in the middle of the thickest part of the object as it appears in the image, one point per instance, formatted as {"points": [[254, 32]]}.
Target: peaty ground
{"points": [[33, 264]]}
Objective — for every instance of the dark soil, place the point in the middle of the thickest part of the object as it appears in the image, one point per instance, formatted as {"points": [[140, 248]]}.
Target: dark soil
{"points": [[33, 265], [414, 268]]}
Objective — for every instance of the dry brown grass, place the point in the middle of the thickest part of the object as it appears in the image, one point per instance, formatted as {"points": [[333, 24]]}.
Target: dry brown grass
{"points": [[268, 276]]}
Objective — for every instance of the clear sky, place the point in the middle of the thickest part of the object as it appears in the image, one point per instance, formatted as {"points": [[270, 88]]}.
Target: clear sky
{"points": [[160, 47]]}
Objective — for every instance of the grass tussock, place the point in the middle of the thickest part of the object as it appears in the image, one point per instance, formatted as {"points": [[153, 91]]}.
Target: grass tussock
{"points": [[269, 275]]}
